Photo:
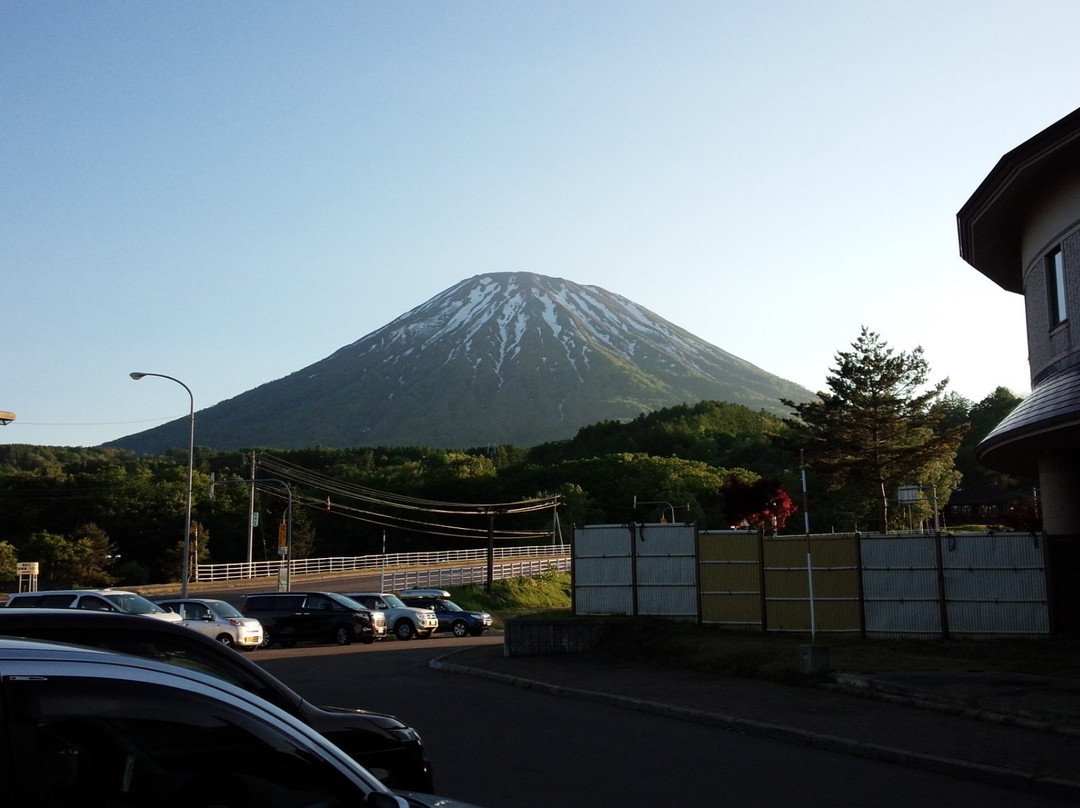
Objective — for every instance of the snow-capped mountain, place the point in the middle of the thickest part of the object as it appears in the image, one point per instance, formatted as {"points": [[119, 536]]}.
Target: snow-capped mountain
{"points": [[500, 358]]}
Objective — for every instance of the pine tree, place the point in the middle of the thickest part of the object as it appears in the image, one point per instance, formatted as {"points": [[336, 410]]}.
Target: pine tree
{"points": [[879, 425]]}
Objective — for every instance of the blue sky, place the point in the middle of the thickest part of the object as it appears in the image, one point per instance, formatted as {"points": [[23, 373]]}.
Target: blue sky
{"points": [[228, 192]]}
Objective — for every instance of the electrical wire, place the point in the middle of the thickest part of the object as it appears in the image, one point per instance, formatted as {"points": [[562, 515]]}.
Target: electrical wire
{"points": [[339, 495]]}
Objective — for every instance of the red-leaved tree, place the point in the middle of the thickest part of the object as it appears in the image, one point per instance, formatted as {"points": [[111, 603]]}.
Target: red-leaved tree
{"points": [[762, 504]]}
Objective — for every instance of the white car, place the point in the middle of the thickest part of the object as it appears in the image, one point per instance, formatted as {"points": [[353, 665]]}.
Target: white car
{"points": [[94, 600], [218, 620], [95, 727], [404, 621]]}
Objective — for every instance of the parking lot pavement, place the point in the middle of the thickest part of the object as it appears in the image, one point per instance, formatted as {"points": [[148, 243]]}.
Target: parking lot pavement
{"points": [[1015, 732]]}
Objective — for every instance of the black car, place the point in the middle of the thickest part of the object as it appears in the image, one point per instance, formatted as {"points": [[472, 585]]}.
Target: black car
{"points": [[384, 745], [289, 617]]}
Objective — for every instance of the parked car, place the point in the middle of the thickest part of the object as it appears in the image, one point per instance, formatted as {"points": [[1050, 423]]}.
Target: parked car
{"points": [[290, 617], [451, 617], [218, 620], [389, 748], [95, 600], [404, 621], [101, 728]]}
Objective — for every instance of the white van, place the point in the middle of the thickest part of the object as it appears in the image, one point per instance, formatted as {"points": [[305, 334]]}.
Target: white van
{"points": [[95, 600]]}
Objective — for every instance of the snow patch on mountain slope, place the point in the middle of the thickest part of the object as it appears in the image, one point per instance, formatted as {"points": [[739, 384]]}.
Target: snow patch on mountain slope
{"points": [[490, 321]]}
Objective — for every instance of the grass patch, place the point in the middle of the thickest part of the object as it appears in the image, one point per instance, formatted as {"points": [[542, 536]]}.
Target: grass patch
{"points": [[543, 596]]}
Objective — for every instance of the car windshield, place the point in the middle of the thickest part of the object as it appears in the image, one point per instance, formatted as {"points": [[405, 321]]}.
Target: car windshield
{"points": [[393, 601], [223, 609], [450, 606], [347, 602], [134, 604]]}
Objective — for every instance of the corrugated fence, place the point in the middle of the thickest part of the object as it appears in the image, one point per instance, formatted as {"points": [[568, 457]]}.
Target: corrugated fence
{"points": [[896, 585]]}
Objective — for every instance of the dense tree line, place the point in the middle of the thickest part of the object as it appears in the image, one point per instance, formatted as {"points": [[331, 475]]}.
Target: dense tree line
{"points": [[98, 516]]}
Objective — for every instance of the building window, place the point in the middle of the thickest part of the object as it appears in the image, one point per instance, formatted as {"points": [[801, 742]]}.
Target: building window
{"points": [[1055, 286]]}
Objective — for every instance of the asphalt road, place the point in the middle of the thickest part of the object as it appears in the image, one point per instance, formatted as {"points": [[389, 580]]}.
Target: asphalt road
{"points": [[500, 746]]}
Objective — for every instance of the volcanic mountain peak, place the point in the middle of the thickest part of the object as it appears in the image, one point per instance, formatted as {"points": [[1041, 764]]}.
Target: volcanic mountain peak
{"points": [[514, 358]]}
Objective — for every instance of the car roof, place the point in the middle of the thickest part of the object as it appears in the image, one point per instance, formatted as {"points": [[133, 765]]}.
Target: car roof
{"points": [[30, 648], [95, 627], [85, 618], [105, 591], [179, 599], [93, 621], [128, 667]]}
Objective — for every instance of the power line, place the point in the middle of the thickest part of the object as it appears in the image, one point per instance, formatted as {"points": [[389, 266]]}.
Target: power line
{"points": [[340, 495]]}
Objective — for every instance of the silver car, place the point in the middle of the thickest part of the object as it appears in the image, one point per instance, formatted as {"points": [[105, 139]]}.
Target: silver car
{"points": [[94, 600], [218, 620], [120, 730]]}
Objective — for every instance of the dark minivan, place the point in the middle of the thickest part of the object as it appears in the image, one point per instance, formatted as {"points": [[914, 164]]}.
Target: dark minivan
{"points": [[291, 617]]}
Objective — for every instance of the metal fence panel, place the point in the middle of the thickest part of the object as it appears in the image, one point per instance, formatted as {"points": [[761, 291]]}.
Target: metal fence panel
{"points": [[995, 585], [904, 618], [997, 619], [603, 570], [986, 585], [666, 559], [827, 563], [900, 586], [729, 579], [645, 569]]}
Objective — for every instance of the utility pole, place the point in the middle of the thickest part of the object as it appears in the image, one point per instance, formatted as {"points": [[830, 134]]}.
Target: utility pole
{"points": [[251, 514]]}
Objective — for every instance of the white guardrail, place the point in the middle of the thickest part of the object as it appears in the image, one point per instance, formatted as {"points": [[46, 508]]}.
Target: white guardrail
{"points": [[441, 577], [553, 553]]}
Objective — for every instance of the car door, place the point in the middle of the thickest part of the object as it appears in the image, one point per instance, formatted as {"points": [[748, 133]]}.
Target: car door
{"points": [[197, 616], [93, 603], [319, 617], [289, 621]]}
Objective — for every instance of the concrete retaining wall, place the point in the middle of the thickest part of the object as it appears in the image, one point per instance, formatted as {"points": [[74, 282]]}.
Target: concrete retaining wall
{"points": [[525, 637]]}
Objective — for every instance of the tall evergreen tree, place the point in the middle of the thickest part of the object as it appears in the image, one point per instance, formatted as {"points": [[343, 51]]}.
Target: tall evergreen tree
{"points": [[879, 425]]}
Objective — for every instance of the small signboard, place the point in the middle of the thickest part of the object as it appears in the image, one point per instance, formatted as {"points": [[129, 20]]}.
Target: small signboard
{"points": [[907, 494]]}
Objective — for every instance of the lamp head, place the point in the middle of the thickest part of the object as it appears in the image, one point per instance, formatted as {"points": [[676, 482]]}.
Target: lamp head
{"points": [[136, 376]]}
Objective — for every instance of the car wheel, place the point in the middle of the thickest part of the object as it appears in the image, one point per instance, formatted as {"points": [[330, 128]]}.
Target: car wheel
{"points": [[404, 630], [343, 635], [459, 628], [266, 639], [226, 640]]}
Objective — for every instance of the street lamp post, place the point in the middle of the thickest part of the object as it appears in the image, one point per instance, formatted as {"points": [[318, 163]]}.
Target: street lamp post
{"points": [[185, 573]]}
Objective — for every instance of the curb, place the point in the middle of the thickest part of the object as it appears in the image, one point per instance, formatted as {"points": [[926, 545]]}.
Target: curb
{"points": [[898, 694], [1001, 777]]}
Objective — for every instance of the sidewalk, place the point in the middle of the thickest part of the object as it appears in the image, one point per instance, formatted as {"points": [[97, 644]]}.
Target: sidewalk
{"points": [[1018, 732]]}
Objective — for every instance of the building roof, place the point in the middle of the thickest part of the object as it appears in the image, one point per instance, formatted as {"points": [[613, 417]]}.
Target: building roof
{"points": [[1036, 424], [990, 222]]}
